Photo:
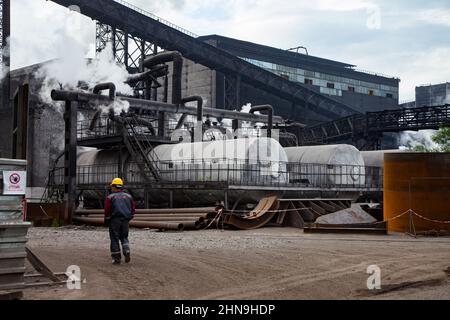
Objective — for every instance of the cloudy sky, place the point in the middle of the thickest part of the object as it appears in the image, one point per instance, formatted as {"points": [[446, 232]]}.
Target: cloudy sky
{"points": [[409, 39]]}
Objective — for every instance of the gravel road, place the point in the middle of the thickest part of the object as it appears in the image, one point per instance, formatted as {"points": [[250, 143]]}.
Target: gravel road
{"points": [[268, 263]]}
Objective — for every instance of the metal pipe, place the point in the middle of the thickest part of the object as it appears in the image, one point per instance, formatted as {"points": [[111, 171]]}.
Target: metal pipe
{"points": [[153, 211], [134, 78], [192, 225], [169, 219], [106, 86], [177, 59], [166, 220], [136, 224], [140, 104], [163, 216], [199, 101], [269, 109]]}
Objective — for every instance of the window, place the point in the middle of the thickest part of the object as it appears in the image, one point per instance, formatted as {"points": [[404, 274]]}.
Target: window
{"points": [[330, 85], [351, 89], [389, 95], [371, 92], [308, 81]]}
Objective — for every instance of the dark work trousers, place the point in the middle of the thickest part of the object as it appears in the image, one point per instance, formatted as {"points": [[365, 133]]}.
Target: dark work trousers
{"points": [[118, 233]]}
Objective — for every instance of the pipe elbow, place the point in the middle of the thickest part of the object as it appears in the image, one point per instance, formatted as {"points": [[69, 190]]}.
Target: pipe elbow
{"points": [[106, 86]]}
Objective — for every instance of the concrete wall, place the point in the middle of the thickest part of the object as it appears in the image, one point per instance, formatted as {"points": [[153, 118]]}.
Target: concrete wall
{"points": [[197, 80]]}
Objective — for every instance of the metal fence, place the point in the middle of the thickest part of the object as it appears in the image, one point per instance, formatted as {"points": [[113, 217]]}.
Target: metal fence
{"points": [[236, 173]]}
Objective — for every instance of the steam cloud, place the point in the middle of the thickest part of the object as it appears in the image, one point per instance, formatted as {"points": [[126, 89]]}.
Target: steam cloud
{"points": [[412, 139]]}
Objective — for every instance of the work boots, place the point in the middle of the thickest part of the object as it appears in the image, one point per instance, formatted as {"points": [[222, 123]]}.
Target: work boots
{"points": [[127, 257]]}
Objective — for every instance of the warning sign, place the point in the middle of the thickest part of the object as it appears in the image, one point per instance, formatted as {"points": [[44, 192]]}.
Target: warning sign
{"points": [[14, 182]]}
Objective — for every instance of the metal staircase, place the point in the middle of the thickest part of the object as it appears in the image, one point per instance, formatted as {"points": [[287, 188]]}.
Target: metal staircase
{"points": [[138, 145]]}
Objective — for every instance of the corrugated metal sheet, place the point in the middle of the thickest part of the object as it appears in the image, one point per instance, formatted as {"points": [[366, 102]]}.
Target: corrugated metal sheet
{"points": [[10, 206], [12, 255], [13, 233]]}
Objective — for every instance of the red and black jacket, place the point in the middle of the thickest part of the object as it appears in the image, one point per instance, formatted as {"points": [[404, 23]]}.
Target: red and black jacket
{"points": [[120, 204]]}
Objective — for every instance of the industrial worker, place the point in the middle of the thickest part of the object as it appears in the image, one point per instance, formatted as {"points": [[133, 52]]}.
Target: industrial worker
{"points": [[119, 210]]}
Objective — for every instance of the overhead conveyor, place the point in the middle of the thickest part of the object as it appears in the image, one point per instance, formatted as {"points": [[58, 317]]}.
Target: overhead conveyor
{"points": [[138, 24]]}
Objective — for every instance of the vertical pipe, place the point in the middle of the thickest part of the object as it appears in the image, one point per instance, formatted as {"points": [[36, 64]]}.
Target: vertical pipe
{"points": [[155, 93], [161, 123], [148, 88], [235, 126], [70, 159], [119, 169], [166, 89]]}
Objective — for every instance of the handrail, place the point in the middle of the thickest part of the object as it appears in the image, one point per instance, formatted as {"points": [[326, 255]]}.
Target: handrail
{"points": [[155, 17]]}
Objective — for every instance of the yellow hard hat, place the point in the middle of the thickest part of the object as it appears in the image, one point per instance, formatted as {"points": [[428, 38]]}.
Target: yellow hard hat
{"points": [[117, 182]]}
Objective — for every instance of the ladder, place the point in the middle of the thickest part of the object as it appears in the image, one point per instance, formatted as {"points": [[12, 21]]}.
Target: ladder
{"points": [[138, 144]]}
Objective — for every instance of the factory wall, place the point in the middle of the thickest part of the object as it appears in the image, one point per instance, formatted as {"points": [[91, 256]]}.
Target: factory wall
{"points": [[39, 130], [197, 80]]}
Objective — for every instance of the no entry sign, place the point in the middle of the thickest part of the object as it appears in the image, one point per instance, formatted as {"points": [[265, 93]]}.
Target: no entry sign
{"points": [[14, 182]]}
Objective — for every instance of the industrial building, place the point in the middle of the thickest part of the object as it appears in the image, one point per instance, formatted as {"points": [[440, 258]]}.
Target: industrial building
{"points": [[433, 95], [362, 91]]}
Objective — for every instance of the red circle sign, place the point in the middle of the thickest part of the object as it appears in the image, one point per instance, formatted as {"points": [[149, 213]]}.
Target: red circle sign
{"points": [[14, 178]]}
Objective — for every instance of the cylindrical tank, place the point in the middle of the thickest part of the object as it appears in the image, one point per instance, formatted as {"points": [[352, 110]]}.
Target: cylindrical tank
{"points": [[420, 182], [327, 165], [254, 161], [240, 162]]}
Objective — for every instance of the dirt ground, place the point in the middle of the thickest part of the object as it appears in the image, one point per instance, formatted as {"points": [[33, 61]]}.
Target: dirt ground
{"points": [[269, 263]]}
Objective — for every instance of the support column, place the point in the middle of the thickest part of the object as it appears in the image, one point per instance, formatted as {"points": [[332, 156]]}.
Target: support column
{"points": [[70, 160]]}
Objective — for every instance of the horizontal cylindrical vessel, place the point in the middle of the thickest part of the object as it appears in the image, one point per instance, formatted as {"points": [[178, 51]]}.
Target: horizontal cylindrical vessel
{"points": [[240, 162], [345, 165], [419, 182], [236, 161]]}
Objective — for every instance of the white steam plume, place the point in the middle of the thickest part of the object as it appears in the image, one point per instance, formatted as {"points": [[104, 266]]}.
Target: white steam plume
{"points": [[411, 139], [73, 67], [3, 68], [71, 64]]}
